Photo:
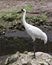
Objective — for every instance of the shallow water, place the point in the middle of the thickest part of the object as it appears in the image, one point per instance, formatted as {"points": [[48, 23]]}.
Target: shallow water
{"points": [[11, 45], [21, 41]]}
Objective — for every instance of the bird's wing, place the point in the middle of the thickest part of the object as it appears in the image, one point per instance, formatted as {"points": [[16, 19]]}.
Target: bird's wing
{"points": [[34, 31]]}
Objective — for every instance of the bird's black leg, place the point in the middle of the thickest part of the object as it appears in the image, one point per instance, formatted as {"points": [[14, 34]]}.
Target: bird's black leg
{"points": [[34, 49]]}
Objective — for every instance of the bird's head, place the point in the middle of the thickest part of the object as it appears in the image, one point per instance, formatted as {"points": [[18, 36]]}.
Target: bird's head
{"points": [[22, 11]]}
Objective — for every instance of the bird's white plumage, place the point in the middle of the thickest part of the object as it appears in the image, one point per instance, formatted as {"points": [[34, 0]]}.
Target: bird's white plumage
{"points": [[33, 31]]}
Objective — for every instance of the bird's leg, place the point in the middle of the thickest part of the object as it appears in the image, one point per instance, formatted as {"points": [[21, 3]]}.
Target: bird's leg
{"points": [[46, 47], [34, 49]]}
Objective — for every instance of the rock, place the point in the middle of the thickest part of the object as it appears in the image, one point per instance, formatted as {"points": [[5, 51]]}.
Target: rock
{"points": [[7, 61], [42, 55], [29, 63], [23, 61], [38, 54], [34, 62], [25, 52], [41, 62], [12, 58], [30, 53], [27, 59]]}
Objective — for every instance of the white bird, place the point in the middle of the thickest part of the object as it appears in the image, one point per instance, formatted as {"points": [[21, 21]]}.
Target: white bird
{"points": [[33, 31]]}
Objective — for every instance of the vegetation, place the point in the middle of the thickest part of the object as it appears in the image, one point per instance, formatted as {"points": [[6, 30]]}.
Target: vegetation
{"points": [[10, 18], [28, 7]]}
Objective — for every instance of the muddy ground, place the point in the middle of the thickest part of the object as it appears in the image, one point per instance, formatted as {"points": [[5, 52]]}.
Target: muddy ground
{"points": [[37, 5], [17, 4]]}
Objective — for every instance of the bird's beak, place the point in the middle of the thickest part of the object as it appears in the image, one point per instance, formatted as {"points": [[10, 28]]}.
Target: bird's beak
{"points": [[19, 12]]}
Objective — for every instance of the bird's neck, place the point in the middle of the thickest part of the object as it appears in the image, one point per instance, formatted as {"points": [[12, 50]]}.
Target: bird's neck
{"points": [[24, 21]]}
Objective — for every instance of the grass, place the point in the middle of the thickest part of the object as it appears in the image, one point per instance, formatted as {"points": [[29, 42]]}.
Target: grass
{"points": [[43, 17], [7, 16], [28, 7], [8, 11]]}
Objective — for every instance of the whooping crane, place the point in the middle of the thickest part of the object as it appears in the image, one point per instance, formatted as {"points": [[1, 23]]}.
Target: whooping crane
{"points": [[33, 31]]}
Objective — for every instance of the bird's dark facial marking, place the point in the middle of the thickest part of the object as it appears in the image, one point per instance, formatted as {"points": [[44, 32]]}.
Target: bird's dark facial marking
{"points": [[22, 10]]}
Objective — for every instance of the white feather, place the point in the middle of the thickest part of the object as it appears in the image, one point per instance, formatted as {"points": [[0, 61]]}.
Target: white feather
{"points": [[33, 31]]}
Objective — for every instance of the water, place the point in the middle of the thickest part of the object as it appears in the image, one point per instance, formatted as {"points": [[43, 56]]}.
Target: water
{"points": [[21, 41], [12, 42]]}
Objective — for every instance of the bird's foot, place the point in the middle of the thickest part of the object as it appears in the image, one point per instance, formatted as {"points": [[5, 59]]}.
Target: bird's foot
{"points": [[34, 56]]}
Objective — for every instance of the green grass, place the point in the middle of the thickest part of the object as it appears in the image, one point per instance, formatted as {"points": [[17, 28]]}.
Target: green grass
{"points": [[8, 11], [28, 7], [7, 16], [43, 17]]}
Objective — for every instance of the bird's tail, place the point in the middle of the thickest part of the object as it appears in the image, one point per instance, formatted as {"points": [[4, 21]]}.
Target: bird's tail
{"points": [[45, 38]]}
